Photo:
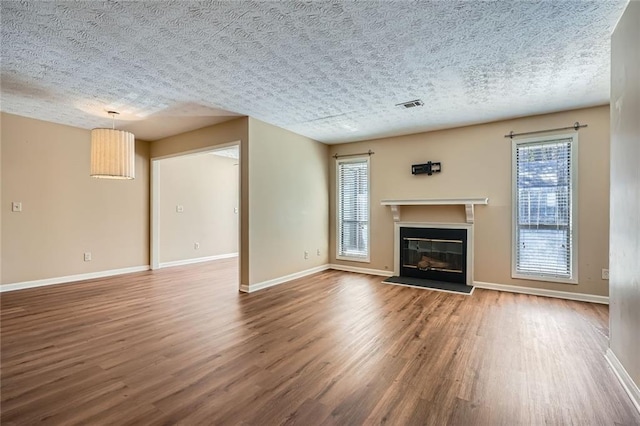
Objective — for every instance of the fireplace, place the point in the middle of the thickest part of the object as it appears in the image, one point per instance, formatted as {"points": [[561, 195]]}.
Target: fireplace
{"points": [[434, 254], [434, 251]]}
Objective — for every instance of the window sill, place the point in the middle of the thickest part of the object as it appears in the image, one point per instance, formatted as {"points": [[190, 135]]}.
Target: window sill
{"points": [[354, 259], [545, 278]]}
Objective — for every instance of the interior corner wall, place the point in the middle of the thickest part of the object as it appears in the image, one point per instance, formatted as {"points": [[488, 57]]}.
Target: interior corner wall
{"points": [[476, 162], [65, 212], [624, 270], [288, 198], [206, 187], [227, 132]]}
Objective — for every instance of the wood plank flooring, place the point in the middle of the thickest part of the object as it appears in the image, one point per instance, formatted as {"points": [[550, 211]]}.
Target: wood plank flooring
{"points": [[182, 346]]}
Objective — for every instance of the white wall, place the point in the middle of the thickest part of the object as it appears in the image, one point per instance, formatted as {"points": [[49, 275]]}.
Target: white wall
{"points": [[624, 299]]}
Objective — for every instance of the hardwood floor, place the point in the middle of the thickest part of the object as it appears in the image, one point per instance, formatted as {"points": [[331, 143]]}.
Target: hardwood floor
{"points": [[181, 345]]}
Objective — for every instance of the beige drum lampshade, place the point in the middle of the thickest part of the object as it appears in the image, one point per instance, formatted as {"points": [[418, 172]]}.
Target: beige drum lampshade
{"points": [[112, 154]]}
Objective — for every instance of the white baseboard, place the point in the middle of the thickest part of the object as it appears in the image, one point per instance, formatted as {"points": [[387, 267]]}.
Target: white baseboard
{"points": [[71, 278], [270, 283], [625, 379], [196, 260], [582, 297], [359, 270]]}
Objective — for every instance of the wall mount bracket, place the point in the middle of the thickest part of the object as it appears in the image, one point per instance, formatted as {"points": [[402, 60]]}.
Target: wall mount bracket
{"points": [[429, 168]]}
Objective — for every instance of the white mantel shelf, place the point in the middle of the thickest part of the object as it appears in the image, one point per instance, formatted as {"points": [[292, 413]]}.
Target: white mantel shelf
{"points": [[467, 202]]}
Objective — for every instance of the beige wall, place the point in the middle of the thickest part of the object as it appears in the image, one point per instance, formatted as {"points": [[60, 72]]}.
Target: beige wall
{"points": [[65, 212], [207, 187], [624, 310], [288, 190], [476, 162], [219, 134], [229, 131], [283, 195]]}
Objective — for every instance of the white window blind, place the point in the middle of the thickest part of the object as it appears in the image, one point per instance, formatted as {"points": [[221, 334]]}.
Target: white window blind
{"points": [[353, 208], [543, 208]]}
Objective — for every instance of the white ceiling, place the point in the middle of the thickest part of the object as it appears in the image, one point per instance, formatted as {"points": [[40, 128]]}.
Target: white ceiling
{"points": [[230, 152], [332, 71]]}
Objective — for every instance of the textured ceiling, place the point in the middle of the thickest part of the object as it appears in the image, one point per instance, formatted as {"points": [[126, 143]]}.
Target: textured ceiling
{"points": [[231, 152], [332, 71]]}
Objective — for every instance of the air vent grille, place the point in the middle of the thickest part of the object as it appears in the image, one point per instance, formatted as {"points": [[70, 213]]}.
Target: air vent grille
{"points": [[410, 104]]}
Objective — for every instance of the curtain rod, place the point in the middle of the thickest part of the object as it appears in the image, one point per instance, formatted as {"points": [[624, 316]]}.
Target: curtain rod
{"points": [[354, 155], [575, 126]]}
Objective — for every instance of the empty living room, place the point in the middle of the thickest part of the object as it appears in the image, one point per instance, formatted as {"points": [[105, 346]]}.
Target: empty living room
{"points": [[320, 213]]}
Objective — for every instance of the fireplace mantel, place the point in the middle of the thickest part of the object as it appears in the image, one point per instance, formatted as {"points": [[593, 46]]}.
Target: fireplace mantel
{"points": [[467, 202]]}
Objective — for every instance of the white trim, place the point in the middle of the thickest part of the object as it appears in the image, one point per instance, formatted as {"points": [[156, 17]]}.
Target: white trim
{"points": [[467, 202], [582, 297], [545, 278], [359, 270], [281, 280], [573, 154], [71, 278], [196, 260], [431, 288], [367, 258], [466, 226], [625, 379], [198, 150], [154, 248], [436, 202], [354, 259]]}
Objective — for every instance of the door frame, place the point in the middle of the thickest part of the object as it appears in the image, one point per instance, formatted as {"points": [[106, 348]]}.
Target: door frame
{"points": [[154, 249]]}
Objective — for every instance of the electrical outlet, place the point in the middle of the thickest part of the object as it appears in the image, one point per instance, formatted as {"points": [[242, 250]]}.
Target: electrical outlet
{"points": [[16, 206], [306, 254], [235, 210], [87, 256], [196, 246], [605, 274], [318, 252]]}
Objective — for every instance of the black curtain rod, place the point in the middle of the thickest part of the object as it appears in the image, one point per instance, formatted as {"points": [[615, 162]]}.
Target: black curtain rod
{"points": [[354, 155], [575, 126]]}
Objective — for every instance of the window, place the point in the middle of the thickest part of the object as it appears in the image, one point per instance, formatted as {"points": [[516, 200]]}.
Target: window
{"points": [[544, 209], [353, 209]]}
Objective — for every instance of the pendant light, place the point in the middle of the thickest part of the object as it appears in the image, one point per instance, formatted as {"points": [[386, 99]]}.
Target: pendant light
{"points": [[112, 152]]}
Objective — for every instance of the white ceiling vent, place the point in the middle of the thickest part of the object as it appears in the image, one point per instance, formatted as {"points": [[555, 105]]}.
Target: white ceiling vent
{"points": [[410, 104]]}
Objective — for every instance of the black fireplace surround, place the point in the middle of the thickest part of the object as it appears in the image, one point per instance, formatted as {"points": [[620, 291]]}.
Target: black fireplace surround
{"points": [[434, 254]]}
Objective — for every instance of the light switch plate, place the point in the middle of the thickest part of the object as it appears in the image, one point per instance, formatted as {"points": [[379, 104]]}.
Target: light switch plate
{"points": [[16, 206]]}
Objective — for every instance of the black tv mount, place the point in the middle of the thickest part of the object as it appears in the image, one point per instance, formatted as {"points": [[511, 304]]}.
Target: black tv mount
{"points": [[429, 168]]}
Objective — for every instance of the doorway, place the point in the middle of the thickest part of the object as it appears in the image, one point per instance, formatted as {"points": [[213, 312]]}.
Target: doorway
{"points": [[195, 206]]}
